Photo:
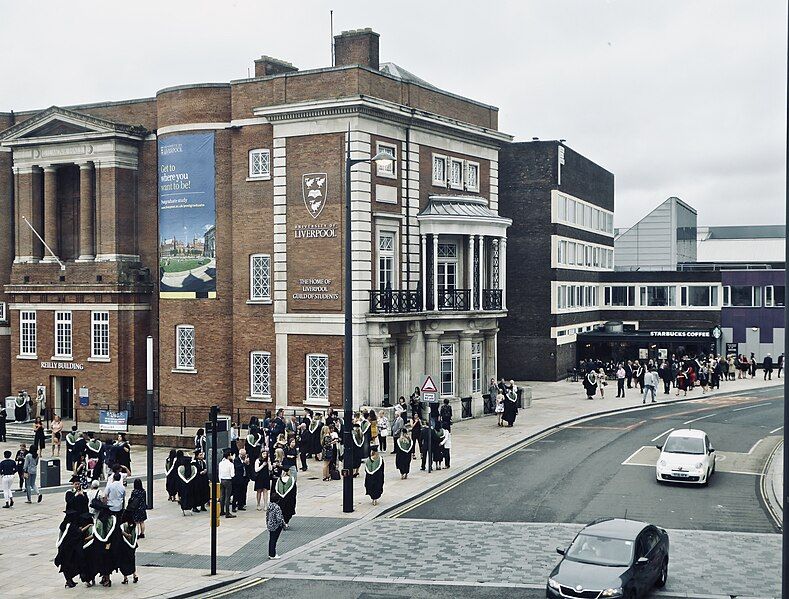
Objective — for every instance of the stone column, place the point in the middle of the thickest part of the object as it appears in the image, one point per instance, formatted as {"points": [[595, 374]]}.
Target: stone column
{"points": [[503, 271], [376, 373], [51, 212], [432, 358], [435, 272], [481, 245], [403, 367], [470, 272], [489, 350], [86, 211], [464, 364], [425, 289]]}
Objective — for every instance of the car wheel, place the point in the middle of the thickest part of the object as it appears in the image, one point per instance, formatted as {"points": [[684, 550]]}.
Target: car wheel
{"points": [[661, 581]]}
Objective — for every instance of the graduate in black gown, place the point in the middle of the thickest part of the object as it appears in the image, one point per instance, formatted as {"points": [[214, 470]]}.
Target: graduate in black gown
{"points": [[171, 469], [69, 546], [305, 439], [20, 407], [315, 427], [510, 405], [126, 551], [284, 488], [374, 475], [436, 448], [403, 447], [187, 474], [357, 447], [590, 385], [202, 485], [364, 424], [94, 453], [71, 439], [88, 567], [76, 500], [105, 531], [254, 443]]}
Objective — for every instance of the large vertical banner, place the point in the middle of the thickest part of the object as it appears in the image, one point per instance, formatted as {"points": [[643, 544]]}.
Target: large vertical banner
{"points": [[187, 216]]}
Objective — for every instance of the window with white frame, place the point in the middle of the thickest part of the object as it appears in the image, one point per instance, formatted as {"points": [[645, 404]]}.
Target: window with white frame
{"points": [[439, 170], [62, 334], [317, 377], [3, 313], [447, 385], [99, 334], [389, 169], [27, 333], [658, 295], [185, 347], [260, 374], [472, 176], [259, 164], [260, 277], [386, 260], [476, 366], [620, 295], [456, 174], [699, 296]]}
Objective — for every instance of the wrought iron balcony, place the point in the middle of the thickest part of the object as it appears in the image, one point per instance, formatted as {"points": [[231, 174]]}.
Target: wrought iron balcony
{"points": [[491, 299], [455, 300], [395, 301]]}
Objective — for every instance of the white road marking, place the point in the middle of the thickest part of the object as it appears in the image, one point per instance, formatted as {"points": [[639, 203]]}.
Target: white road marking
{"points": [[775, 430], [758, 405], [661, 434], [700, 418], [632, 455], [754, 446]]}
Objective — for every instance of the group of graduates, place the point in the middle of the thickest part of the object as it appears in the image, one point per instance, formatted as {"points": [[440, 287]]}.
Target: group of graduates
{"points": [[89, 458], [98, 544], [187, 481]]}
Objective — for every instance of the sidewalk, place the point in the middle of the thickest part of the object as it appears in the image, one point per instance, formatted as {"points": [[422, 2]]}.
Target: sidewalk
{"points": [[174, 554], [773, 484]]}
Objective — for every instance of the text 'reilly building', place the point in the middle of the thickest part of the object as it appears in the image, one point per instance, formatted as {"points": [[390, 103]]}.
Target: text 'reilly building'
{"points": [[211, 217]]}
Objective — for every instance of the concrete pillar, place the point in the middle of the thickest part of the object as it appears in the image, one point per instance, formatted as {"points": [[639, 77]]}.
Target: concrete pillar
{"points": [[51, 212], [481, 245], [86, 244], [464, 364], [435, 271], [376, 373], [403, 367], [503, 271], [432, 358], [470, 271], [489, 351], [425, 289]]}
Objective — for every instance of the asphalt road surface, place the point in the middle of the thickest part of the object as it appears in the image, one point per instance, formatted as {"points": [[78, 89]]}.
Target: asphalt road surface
{"points": [[605, 467]]}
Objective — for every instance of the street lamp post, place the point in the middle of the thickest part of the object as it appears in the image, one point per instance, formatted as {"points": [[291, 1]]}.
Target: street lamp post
{"points": [[381, 158], [149, 416]]}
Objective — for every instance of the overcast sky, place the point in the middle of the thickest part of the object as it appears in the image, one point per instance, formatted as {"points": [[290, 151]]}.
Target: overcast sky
{"points": [[675, 98]]}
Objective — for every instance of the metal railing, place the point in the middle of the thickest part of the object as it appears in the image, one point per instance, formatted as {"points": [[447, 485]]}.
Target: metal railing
{"points": [[465, 407], [491, 299], [400, 301], [456, 300]]}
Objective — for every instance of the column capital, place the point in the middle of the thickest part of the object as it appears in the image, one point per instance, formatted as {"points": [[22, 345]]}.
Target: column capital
{"points": [[468, 334], [49, 168], [379, 341], [86, 165], [433, 335], [490, 333]]}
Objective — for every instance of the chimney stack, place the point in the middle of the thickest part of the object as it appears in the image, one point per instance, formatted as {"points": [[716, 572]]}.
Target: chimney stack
{"points": [[359, 46], [266, 65]]}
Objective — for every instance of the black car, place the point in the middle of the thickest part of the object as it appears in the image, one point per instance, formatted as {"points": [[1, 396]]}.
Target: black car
{"points": [[611, 558]]}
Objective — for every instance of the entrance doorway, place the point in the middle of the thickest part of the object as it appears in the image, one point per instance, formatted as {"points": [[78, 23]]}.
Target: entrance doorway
{"points": [[64, 396]]}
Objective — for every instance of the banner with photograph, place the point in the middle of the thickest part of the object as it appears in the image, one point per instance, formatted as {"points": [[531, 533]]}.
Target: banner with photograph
{"points": [[187, 216]]}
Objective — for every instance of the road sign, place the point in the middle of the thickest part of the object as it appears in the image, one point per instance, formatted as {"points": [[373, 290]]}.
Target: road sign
{"points": [[429, 386], [429, 397]]}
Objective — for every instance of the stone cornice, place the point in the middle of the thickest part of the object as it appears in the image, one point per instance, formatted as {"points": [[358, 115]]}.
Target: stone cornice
{"points": [[95, 124]]}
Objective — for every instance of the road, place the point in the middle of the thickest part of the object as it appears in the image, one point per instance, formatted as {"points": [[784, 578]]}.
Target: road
{"points": [[605, 467]]}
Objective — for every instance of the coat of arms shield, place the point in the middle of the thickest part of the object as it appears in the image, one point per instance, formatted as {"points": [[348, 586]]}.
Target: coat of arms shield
{"points": [[313, 188]]}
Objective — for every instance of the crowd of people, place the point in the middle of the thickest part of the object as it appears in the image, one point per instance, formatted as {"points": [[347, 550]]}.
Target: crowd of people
{"points": [[682, 374]]}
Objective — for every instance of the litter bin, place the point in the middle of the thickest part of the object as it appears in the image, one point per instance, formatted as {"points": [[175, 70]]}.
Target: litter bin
{"points": [[50, 473]]}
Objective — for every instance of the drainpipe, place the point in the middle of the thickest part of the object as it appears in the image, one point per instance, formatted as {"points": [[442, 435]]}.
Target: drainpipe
{"points": [[408, 202]]}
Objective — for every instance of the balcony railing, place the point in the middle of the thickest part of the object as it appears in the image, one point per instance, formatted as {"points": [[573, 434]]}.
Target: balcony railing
{"points": [[491, 299], [455, 300], [395, 301]]}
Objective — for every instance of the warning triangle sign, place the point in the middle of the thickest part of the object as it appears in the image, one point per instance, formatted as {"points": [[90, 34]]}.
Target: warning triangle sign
{"points": [[429, 386]]}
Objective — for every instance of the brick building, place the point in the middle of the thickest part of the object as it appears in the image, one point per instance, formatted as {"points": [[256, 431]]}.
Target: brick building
{"points": [[210, 216]]}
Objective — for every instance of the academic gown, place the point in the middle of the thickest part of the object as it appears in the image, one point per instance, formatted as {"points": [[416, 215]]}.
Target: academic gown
{"points": [[286, 491], [357, 447], [20, 411], [315, 437], [374, 477], [253, 445], [93, 448], [71, 440], [127, 549], [305, 439], [69, 546], [89, 566], [403, 447], [437, 448], [171, 483], [105, 531], [590, 384], [76, 503], [122, 456], [510, 407], [202, 485], [187, 475], [365, 426]]}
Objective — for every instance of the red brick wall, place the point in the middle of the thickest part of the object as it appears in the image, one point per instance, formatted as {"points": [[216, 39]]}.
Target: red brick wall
{"points": [[426, 187], [298, 348], [206, 104]]}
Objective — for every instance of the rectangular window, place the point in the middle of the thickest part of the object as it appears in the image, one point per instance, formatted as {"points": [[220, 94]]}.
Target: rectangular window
{"points": [[447, 369], [561, 297], [317, 377], [185, 347], [740, 295], [571, 253], [620, 295], [476, 366], [571, 210], [699, 296], [779, 296], [260, 374], [456, 174], [658, 295], [27, 333], [259, 164], [388, 170], [768, 296], [386, 257], [62, 334], [561, 247], [100, 335], [3, 312], [439, 170], [726, 295], [588, 217], [260, 277], [562, 208], [472, 176]]}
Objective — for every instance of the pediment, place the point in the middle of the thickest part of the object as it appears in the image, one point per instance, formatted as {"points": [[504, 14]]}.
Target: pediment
{"points": [[60, 124]]}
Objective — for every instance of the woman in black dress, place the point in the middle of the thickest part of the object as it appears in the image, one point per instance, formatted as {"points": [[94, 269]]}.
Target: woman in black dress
{"points": [[254, 443], [510, 404], [262, 479], [357, 447], [38, 435], [123, 451], [403, 447], [137, 507], [170, 466]]}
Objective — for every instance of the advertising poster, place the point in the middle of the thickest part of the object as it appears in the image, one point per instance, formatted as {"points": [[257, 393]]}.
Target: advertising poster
{"points": [[113, 421], [187, 216]]}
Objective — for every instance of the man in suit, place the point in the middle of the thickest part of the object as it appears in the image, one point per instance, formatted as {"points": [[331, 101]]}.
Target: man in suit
{"points": [[240, 480], [767, 365]]}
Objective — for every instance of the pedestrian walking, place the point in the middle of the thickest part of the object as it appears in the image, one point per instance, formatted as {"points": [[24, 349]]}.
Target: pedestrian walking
{"points": [[4, 420], [38, 436], [629, 374], [601, 377], [57, 433], [682, 382], [403, 448], [398, 428], [650, 385], [424, 443], [752, 365], [30, 470], [446, 445], [19, 458], [226, 471], [171, 475], [137, 507], [510, 404], [445, 414], [284, 493], [620, 381], [7, 475], [275, 523], [383, 430], [780, 365], [374, 475], [767, 365]]}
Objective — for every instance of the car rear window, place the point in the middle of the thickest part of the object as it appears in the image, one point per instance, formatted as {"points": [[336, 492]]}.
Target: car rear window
{"points": [[603, 551]]}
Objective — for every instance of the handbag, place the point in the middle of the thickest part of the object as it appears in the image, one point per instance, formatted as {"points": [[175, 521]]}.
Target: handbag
{"points": [[96, 503], [335, 474]]}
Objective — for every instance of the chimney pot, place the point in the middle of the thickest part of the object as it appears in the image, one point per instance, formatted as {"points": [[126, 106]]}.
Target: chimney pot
{"points": [[358, 46], [266, 65]]}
